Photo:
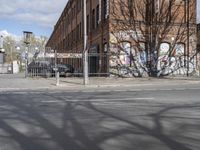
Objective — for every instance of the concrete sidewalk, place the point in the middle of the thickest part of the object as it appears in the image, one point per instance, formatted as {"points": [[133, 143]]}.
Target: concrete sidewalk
{"points": [[125, 82], [18, 81]]}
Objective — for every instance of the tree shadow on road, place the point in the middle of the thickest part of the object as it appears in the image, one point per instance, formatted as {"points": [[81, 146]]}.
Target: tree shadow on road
{"points": [[61, 121]]}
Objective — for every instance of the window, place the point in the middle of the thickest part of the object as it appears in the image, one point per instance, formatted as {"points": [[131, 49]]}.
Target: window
{"points": [[78, 5], [88, 24], [164, 49], [105, 9], [77, 32], [179, 49], [97, 15], [93, 19], [80, 30], [74, 10], [75, 35]]}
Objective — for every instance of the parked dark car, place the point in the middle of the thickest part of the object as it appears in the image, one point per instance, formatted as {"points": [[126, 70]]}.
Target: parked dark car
{"points": [[40, 68], [65, 70]]}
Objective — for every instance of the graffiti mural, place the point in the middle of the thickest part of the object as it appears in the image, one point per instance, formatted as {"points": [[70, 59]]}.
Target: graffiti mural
{"points": [[127, 61], [175, 63], [133, 59]]}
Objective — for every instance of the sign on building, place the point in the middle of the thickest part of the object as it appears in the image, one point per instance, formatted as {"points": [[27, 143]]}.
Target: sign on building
{"points": [[49, 55], [69, 55]]}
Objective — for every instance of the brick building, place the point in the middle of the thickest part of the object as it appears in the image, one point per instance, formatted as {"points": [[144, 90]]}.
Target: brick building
{"points": [[122, 39], [67, 36], [198, 36]]}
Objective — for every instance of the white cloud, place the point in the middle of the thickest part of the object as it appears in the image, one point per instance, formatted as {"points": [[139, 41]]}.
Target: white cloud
{"points": [[40, 12], [5, 33]]}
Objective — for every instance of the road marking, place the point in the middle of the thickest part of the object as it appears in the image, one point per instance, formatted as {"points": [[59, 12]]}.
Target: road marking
{"points": [[100, 100], [53, 101]]}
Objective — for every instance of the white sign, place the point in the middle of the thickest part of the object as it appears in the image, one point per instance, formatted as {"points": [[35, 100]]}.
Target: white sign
{"points": [[49, 55], [69, 55]]}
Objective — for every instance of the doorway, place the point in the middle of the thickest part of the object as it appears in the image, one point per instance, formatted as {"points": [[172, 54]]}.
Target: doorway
{"points": [[93, 65]]}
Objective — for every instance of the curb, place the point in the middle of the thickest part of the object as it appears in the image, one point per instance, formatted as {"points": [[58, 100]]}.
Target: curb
{"points": [[106, 84]]}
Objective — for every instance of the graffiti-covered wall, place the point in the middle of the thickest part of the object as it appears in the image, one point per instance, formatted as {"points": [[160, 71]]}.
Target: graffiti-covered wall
{"points": [[177, 61], [127, 59], [132, 59]]}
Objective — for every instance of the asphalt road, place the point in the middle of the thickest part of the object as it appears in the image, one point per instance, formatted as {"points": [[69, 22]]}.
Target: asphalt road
{"points": [[100, 120]]}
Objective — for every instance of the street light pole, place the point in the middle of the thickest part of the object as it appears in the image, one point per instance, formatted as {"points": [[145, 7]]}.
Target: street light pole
{"points": [[26, 63], [11, 57], [188, 36], [85, 51]]}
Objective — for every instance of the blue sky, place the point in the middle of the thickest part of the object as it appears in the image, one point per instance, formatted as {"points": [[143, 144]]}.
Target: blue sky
{"points": [[37, 16]]}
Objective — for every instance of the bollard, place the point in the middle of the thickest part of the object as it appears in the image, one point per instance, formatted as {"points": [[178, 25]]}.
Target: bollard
{"points": [[57, 78]]}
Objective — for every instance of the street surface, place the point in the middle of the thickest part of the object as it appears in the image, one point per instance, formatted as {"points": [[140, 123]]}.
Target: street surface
{"points": [[146, 117]]}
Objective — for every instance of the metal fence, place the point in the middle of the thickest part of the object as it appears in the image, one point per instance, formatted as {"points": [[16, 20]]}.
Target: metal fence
{"points": [[40, 68], [97, 65], [71, 66]]}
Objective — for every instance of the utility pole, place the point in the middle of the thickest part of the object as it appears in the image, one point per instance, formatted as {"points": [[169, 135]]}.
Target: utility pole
{"points": [[2, 51], [85, 51], [188, 36], [26, 62], [11, 57]]}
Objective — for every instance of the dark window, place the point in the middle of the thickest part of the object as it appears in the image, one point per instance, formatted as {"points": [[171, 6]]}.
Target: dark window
{"points": [[97, 15], [79, 3], [80, 30], [74, 34], [93, 19], [88, 24], [169, 17], [105, 8]]}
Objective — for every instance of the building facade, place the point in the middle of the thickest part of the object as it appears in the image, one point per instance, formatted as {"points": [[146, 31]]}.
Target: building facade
{"points": [[128, 37], [198, 36], [67, 37]]}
